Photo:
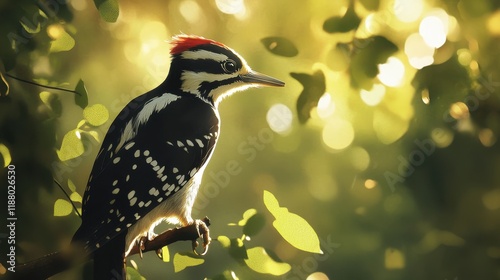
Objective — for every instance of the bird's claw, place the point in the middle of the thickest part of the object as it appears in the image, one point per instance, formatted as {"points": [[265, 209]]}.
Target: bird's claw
{"points": [[204, 233], [141, 244], [159, 253]]}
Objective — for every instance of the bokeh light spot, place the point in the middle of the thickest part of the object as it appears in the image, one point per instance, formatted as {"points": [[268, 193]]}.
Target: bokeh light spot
{"points": [[370, 184], [459, 110], [326, 107], [433, 31], [493, 23], [442, 137], [55, 31], [338, 134], [392, 72], [190, 10], [487, 137], [491, 200], [374, 96], [408, 10], [359, 158], [317, 276], [419, 53], [464, 57], [230, 6], [426, 97], [394, 259], [279, 118]]}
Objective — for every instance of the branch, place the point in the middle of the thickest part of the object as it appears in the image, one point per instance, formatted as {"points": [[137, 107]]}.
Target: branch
{"points": [[191, 232], [51, 264]]}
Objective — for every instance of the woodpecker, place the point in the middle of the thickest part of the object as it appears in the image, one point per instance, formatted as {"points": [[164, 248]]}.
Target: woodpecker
{"points": [[152, 159]]}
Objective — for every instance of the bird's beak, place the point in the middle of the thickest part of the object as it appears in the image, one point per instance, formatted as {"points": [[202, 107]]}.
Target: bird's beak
{"points": [[256, 78]]}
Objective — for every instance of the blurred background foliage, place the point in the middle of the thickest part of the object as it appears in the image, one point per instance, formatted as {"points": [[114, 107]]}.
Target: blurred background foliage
{"points": [[384, 140]]}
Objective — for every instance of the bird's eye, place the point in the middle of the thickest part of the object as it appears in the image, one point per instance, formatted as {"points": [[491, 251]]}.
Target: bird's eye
{"points": [[229, 66]]}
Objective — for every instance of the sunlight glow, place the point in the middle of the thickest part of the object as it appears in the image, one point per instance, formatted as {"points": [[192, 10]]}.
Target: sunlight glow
{"points": [[408, 10], [392, 72], [279, 118], [374, 96], [338, 134], [418, 52]]}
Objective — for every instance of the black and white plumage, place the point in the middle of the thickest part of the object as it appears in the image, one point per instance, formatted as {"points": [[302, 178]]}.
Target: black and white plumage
{"points": [[151, 161]]}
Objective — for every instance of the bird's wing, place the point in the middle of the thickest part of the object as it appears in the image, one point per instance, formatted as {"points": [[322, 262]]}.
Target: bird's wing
{"points": [[163, 154]]}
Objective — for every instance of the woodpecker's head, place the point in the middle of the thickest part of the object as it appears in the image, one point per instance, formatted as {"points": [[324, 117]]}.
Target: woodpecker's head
{"points": [[210, 69]]}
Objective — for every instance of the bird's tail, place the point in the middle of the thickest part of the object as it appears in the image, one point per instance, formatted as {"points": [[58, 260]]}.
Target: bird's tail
{"points": [[109, 260], [44, 267]]}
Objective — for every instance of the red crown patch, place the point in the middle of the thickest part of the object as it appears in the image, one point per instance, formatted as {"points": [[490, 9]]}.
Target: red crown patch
{"points": [[184, 42]]}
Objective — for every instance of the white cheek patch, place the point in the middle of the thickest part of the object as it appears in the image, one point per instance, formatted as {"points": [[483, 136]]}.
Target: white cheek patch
{"points": [[191, 81]]}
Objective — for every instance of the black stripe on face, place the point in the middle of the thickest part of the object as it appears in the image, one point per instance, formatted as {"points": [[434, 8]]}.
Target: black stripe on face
{"points": [[202, 65], [206, 87], [210, 65]]}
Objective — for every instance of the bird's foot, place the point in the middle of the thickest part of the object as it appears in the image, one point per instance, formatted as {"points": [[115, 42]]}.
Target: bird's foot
{"points": [[204, 233], [141, 244]]}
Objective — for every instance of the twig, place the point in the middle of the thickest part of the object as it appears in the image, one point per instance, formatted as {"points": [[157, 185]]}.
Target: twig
{"points": [[69, 198], [39, 85]]}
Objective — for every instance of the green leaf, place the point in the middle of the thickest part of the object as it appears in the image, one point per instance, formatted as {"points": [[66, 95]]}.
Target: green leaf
{"points": [[236, 247], [183, 260], [108, 9], [4, 151], [313, 88], [260, 261], [4, 86], [72, 146], [64, 43], [165, 254], [133, 274], [350, 21], [62, 208], [224, 241], [254, 224], [247, 215], [293, 228], [76, 197], [71, 185], [96, 115], [81, 98], [94, 134], [366, 56], [52, 101], [280, 46], [31, 29]]}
